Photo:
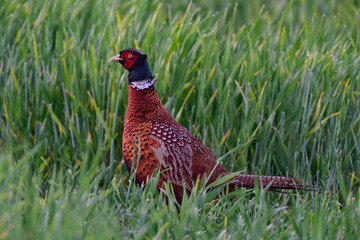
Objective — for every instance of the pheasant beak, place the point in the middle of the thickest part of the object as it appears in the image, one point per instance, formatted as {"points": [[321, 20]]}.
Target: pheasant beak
{"points": [[116, 58]]}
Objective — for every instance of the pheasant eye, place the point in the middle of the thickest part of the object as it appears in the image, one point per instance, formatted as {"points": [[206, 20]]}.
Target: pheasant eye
{"points": [[129, 55]]}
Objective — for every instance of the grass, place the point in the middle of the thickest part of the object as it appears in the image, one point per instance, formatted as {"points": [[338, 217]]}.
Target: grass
{"points": [[280, 80]]}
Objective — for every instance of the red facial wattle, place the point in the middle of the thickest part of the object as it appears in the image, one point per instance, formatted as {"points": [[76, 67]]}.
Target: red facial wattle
{"points": [[129, 58]]}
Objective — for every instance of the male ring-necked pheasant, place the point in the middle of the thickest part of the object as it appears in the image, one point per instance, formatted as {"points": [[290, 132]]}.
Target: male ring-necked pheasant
{"points": [[169, 145]]}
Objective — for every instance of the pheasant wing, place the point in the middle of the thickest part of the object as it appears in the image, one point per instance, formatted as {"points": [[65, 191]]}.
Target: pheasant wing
{"points": [[173, 152]]}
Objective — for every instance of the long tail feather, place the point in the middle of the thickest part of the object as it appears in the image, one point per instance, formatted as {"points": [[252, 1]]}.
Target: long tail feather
{"points": [[248, 181]]}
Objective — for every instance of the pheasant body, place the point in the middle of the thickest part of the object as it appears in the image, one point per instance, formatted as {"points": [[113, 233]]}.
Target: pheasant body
{"points": [[163, 142]]}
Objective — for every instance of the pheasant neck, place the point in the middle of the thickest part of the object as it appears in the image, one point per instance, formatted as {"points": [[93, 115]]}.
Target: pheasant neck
{"points": [[143, 105], [144, 84], [140, 77]]}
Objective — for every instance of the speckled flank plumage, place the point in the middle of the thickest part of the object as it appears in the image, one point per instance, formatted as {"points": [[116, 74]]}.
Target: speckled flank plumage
{"points": [[166, 144], [137, 127]]}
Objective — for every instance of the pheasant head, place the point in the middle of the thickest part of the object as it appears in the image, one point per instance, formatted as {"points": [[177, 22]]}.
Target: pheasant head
{"points": [[140, 76]]}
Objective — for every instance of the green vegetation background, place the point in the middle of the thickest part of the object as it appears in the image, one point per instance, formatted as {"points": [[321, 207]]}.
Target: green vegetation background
{"points": [[275, 81]]}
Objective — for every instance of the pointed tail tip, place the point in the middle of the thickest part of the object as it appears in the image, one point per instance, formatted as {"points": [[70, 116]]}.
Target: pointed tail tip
{"points": [[296, 184], [296, 181]]}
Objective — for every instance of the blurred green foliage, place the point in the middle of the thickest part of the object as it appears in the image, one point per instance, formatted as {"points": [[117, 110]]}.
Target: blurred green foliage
{"points": [[280, 77]]}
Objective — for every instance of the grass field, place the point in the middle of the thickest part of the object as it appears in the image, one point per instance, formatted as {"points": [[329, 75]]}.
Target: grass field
{"points": [[278, 83]]}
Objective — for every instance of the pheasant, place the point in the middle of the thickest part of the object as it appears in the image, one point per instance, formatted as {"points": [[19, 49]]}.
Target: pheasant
{"points": [[166, 144]]}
